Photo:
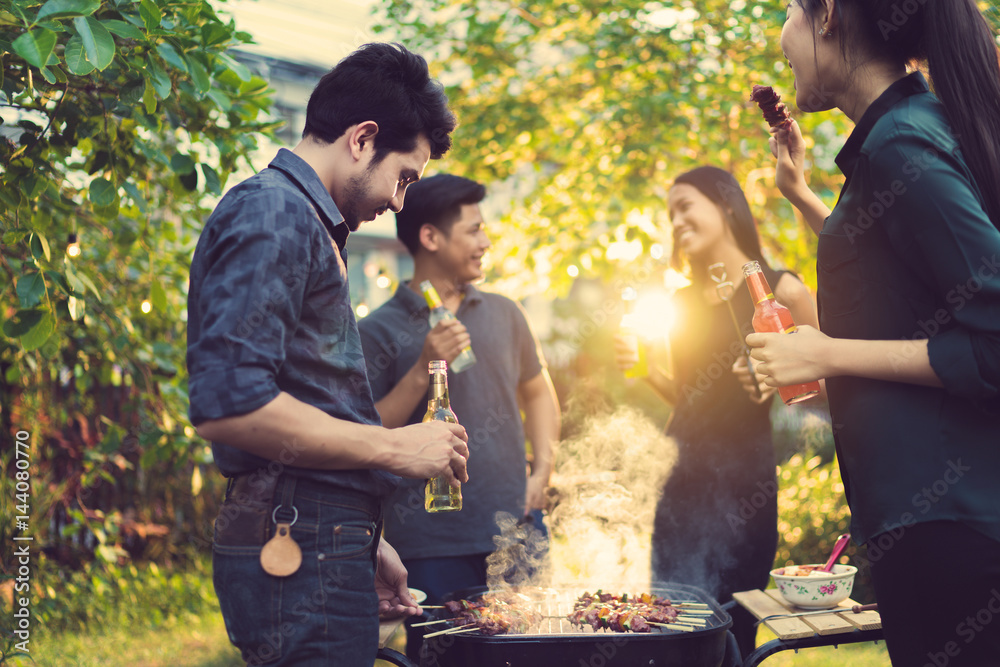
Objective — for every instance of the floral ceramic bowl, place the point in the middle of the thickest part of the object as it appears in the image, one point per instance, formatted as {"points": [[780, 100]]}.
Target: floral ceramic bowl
{"points": [[815, 590]]}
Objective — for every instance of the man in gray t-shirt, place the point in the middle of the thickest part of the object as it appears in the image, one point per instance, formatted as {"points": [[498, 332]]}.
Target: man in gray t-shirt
{"points": [[442, 227]]}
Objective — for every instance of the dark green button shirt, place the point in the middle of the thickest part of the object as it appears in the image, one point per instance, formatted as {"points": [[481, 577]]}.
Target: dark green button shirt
{"points": [[909, 254]]}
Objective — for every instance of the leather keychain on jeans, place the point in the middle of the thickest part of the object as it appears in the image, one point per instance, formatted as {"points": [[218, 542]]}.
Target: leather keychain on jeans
{"points": [[281, 556]]}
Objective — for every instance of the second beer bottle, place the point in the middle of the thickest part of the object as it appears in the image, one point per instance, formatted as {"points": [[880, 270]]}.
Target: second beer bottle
{"points": [[769, 316], [439, 495], [438, 312]]}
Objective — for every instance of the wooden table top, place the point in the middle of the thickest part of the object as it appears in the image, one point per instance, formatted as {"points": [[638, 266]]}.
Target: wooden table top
{"points": [[769, 602], [386, 628]]}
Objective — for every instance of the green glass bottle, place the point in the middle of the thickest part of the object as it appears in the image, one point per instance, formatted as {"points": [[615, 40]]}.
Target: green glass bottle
{"points": [[465, 358]]}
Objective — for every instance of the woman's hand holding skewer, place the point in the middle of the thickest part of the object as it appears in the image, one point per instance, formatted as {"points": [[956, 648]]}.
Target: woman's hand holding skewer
{"points": [[746, 378], [789, 150]]}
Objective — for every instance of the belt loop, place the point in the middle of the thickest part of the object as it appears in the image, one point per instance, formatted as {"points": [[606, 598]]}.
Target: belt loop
{"points": [[287, 494], [287, 489]]}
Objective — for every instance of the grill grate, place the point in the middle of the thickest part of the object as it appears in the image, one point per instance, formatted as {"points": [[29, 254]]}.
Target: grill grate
{"points": [[556, 604], [558, 643]]}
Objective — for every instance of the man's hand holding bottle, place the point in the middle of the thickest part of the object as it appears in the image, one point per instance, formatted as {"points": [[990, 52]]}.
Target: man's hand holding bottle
{"points": [[428, 450], [445, 341]]}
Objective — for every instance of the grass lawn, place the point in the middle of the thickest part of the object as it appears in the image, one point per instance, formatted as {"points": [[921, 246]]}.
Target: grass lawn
{"points": [[192, 641], [200, 641], [854, 655]]}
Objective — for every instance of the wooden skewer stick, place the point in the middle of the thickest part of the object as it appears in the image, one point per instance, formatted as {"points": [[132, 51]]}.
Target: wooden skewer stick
{"points": [[692, 605], [432, 606], [696, 612], [697, 620], [471, 626], [443, 620], [676, 626], [458, 632], [673, 626], [693, 624]]}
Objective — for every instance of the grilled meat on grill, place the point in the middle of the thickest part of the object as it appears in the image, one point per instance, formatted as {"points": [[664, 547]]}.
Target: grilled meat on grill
{"points": [[493, 618], [622, 613]]}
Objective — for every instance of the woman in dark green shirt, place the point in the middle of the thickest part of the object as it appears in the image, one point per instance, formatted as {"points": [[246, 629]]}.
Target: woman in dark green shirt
{"points": [[909, 304]]}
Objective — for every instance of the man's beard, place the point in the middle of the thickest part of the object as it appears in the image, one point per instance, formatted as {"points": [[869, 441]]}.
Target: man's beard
{"points": [[358, 191]]}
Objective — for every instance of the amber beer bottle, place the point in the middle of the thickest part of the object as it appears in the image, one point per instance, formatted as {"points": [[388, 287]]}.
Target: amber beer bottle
{"points": [[439, 495], [466, 357], [769, 316]]}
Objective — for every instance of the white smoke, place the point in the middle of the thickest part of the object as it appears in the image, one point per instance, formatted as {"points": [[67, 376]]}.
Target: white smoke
{"points": [[607, 482]]}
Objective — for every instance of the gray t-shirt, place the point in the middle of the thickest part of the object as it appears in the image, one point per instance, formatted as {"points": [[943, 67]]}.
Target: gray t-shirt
{"points": [[483, 397]]}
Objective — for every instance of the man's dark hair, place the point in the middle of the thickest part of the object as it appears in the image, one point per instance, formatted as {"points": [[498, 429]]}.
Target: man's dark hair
{"points": [[390, 85], [435, 201]]}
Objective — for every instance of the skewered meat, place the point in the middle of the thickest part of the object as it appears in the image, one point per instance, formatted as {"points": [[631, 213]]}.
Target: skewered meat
{"points": [[775, 112], [622, 613], [493, 617]]}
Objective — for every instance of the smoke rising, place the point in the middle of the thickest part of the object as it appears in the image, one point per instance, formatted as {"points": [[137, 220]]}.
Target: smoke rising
{"points": [[609, 478], [605, 488]]}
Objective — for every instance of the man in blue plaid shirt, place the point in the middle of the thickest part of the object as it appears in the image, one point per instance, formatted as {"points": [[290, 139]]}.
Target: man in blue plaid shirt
{"points": [[277, 374]]}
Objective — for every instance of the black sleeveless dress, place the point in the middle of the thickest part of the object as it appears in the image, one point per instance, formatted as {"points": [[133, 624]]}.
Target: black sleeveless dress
{"points": [[716, 522]]}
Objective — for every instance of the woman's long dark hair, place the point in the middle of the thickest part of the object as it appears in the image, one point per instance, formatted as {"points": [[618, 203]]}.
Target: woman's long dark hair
{"points": [[962, 58], [724, 191]]}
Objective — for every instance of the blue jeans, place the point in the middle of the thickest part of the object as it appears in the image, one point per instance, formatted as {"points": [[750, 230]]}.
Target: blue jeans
{"points": [[325, 613]]}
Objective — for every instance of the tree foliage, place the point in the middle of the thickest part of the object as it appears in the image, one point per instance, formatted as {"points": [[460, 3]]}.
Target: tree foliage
{"points": [[586, 110], [578, 114], [120, 120]]}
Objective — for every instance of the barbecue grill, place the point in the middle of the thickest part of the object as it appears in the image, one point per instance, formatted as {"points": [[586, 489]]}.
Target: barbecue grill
{"points": [[558, 642]]}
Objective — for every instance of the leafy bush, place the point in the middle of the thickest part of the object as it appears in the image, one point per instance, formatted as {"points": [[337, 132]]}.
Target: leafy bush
{"points": [[120, 124], [126, 595], [812, 513]]}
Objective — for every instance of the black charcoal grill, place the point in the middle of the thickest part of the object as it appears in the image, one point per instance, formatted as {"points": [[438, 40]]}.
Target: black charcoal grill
{"points": [[557, 642]]}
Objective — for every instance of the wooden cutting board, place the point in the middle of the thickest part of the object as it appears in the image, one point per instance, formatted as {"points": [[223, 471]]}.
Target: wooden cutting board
{"points": [[768, 603], [386, 628]]}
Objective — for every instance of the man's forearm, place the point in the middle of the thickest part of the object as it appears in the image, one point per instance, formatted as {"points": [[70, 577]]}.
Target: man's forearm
{"points": [[542, 447], [542, 426], [297, 434]]}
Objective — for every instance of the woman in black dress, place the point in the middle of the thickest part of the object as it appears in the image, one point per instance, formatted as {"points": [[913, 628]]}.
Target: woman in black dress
{"points": [[716, 521]]}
